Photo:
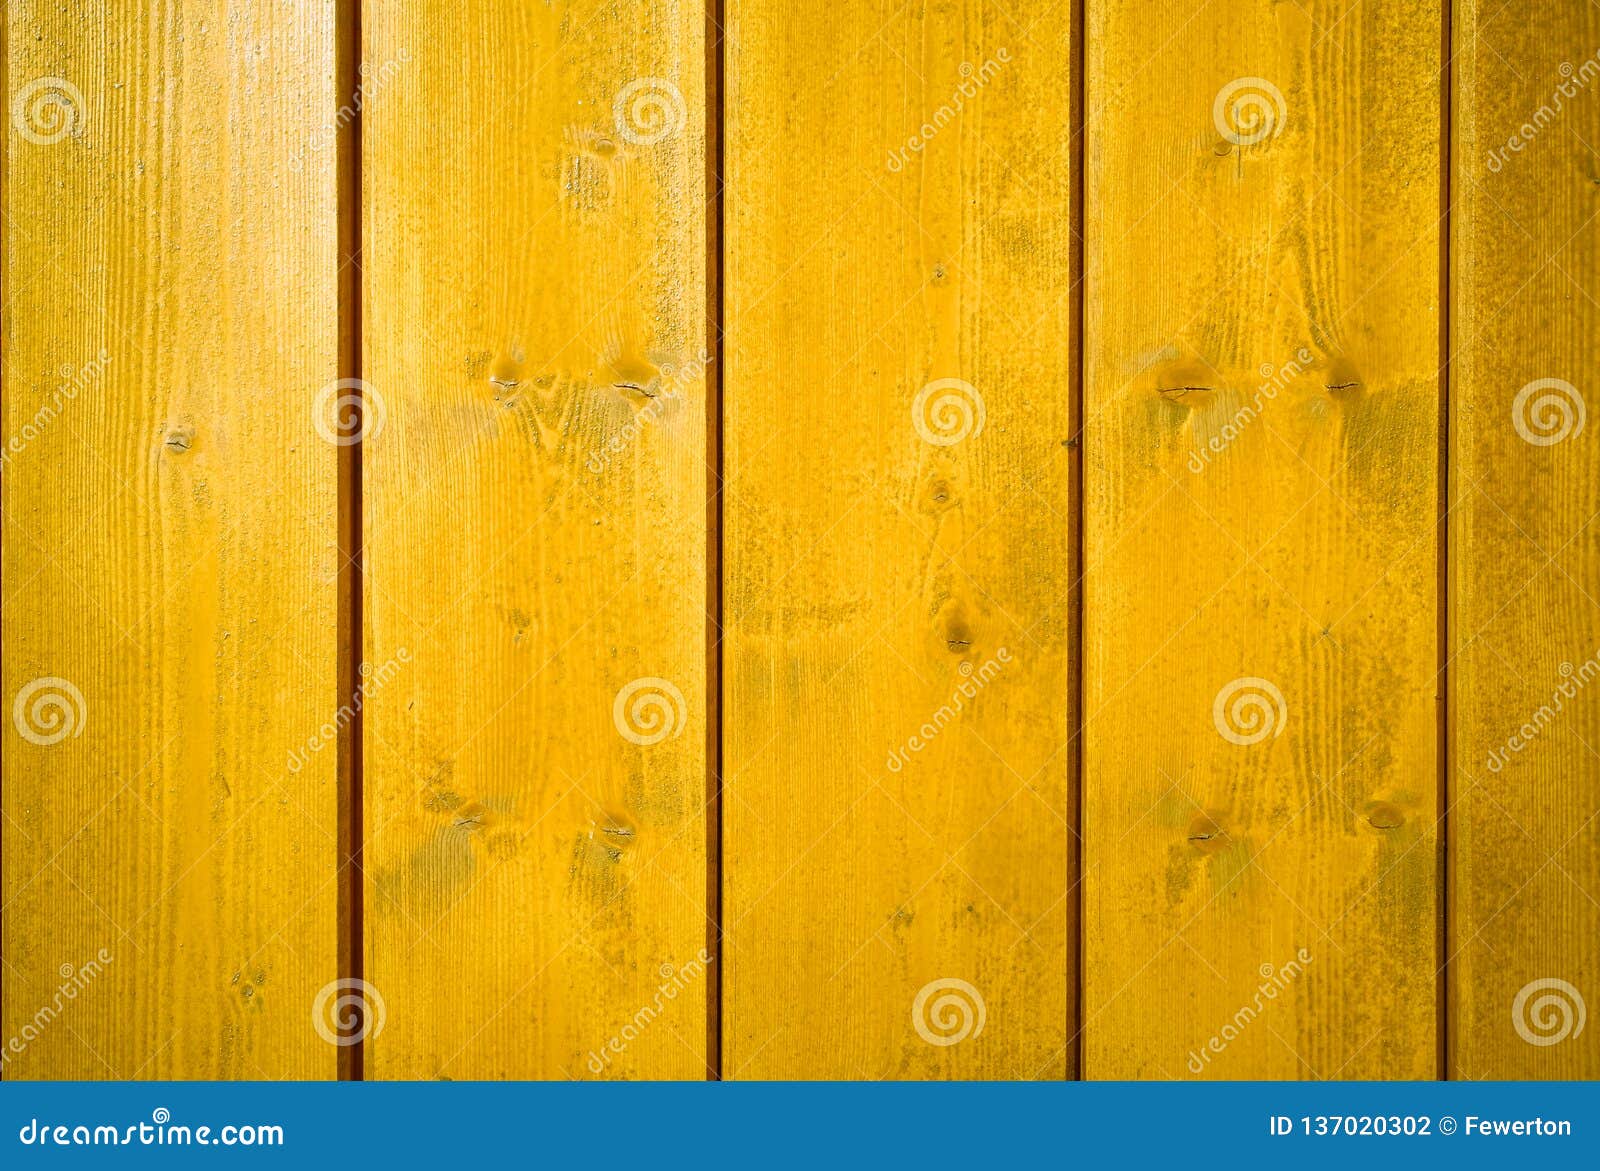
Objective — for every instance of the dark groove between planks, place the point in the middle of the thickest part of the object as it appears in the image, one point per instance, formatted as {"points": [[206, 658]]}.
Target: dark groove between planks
{"points": [[351, 955], [1443, 976], [715, 112], [1079, 113]]}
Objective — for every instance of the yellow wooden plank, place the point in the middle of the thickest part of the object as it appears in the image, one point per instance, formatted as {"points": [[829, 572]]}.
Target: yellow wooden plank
{"points": [[1525, 812], [535, 497], [898, 513], [170, 541], [1262, 447]]}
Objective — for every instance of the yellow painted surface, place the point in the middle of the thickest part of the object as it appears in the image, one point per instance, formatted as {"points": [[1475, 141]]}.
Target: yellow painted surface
{"points": [[1252, 514], [1263, 861], [891, 821], [535, 502], [1525, 645], [170, 542]]}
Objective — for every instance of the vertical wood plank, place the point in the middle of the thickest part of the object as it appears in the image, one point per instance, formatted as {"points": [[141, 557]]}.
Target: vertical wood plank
{"points": [[535, 328], [170, 541], [898, 519], [1261, 484], [1525, 646]]}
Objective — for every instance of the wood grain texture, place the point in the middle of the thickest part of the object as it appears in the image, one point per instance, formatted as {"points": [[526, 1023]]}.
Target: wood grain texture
{"points": [[890, 819], [534, 310], [1262, 447], [1525, 645], [170, 541]]}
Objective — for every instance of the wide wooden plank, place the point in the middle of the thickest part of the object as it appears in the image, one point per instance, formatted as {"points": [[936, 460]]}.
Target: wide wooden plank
{"points": [[170, 548], [1262, 445], [535, 498], [1525, 468], [898, 524]]}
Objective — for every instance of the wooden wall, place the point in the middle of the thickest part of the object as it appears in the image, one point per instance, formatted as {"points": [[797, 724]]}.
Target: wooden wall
{"points": [[656, 540]]}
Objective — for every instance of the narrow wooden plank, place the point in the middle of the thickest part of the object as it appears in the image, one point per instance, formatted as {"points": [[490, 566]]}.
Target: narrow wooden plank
{"points": [[1261, 483], [1525, 646], [170, 541], [534, 312], [898, 392]]}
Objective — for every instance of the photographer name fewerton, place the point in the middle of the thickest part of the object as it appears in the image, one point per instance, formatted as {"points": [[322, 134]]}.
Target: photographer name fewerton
{"points": [[1421, 1125]]}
